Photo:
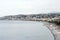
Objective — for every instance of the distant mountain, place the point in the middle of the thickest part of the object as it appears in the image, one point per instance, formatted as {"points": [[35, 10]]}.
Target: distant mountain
{"points": [[30, 17]]}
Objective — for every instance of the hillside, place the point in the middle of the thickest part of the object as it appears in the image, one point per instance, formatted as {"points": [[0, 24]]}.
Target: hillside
{"points": [[32, 17]]}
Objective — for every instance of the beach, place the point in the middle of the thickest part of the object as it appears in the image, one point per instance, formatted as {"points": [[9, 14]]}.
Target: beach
{"points": [[55, 29]]}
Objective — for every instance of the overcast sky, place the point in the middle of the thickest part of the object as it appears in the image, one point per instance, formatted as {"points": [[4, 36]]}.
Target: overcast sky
{"points": [[13, 7]]}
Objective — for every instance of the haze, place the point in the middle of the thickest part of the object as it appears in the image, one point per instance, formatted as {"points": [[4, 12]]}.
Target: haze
{"points": [[13, 7]]}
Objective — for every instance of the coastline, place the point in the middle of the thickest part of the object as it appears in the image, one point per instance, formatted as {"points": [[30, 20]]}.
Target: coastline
{"points": [[55, 29]]}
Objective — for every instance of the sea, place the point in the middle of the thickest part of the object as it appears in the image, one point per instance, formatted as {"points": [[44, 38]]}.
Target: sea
{"points": [[24, 30]]}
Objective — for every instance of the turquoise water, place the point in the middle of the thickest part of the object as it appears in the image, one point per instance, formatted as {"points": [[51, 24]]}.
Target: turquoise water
{"points": [[24, 30]]}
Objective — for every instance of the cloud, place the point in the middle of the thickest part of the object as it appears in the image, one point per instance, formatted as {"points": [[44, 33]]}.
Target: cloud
{"points": [[11, 7]]}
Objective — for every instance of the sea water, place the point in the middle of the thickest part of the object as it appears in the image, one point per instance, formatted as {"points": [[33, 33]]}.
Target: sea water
{"points": [[24, 30]]}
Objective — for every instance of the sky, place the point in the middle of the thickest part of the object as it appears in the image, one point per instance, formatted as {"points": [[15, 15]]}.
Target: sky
{"points": [[14, 7]]}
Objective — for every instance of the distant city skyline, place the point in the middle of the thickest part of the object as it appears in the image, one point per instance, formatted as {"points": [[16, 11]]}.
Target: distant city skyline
{"points": [[14, 7]]}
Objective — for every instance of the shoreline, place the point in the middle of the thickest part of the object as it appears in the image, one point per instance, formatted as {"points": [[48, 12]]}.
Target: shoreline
{"points": [[55, 30]]}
